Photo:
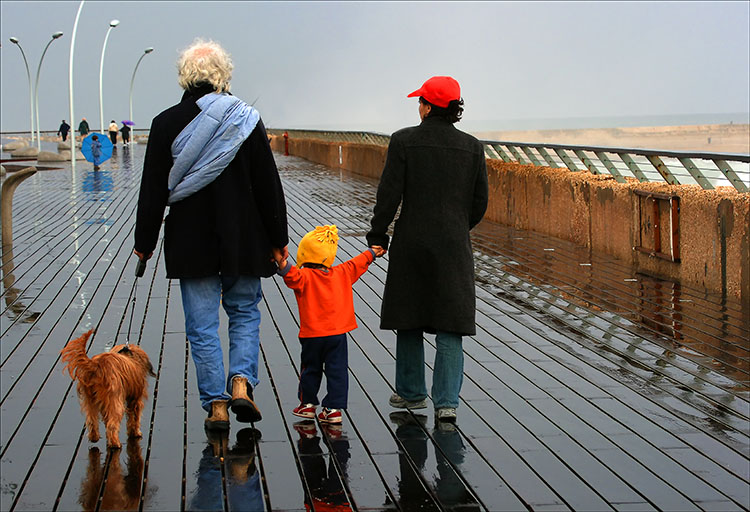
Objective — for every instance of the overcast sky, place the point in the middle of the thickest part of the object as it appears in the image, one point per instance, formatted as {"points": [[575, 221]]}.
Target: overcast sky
{"points": [[350, 65]]}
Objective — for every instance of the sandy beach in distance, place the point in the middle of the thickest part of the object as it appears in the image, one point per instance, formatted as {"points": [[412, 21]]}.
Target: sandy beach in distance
{"points": [[718, 138]]}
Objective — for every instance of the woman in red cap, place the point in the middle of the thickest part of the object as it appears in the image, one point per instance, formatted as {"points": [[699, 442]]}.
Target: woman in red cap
{"points": [[437, 174]]}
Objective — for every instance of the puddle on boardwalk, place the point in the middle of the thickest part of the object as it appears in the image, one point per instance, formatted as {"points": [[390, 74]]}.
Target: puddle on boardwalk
{"points": [[599, 294]]}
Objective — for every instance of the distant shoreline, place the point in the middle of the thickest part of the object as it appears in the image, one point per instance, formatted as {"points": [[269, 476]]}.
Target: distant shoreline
{"points": [[717, 138], [721, 138]]}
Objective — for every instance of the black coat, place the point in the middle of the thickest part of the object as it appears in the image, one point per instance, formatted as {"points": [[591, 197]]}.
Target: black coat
{"points": [[229, 226], [439, 177]]}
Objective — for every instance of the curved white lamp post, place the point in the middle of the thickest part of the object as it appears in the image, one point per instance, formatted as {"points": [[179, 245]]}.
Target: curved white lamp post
{"points": [[56, 35], [112, 24], [70, 92], [132, 80], [14, 40]]}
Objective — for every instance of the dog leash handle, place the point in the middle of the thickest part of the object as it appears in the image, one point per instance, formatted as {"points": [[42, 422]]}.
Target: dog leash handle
{"points": [[140, 269]]}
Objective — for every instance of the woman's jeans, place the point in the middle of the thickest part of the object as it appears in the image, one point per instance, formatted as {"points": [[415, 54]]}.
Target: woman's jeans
{"points": [[200, 301], [447, 373]]}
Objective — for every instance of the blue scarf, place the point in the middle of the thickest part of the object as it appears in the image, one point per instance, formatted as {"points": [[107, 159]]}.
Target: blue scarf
{"points": [[205, 147]]}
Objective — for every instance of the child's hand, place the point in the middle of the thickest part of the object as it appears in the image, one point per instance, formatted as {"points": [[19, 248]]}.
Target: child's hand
{"points": [[379, 251]]}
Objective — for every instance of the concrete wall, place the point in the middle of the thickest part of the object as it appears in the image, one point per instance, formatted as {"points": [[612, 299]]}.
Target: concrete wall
{"points": [[597, 212]]}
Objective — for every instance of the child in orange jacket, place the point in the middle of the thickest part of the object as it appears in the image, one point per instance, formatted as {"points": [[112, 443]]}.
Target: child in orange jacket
{"points": [[326, 312]]}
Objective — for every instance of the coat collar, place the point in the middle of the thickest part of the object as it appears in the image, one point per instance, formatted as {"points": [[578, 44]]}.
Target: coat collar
{"points": [[197, 91], [435, 120]]}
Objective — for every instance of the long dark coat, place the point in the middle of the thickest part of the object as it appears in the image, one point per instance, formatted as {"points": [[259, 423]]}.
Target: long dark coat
{"points": [[229, 226], [439, 177]]}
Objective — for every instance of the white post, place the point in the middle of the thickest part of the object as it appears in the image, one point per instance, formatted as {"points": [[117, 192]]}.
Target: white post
{"points": [[70, 86], [14, 40], [132, 80], [36, 90], [112, 24]]}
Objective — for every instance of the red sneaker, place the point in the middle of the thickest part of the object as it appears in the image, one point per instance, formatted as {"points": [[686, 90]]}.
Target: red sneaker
{"points": [[304, 411], [330, 415]]}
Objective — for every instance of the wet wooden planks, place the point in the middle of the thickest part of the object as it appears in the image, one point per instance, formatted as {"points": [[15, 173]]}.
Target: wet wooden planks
{"points": [[564, 407]]}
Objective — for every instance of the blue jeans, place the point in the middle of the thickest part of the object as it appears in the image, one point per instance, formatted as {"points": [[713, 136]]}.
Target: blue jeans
{"points": [[200, 302], [447, 374]]}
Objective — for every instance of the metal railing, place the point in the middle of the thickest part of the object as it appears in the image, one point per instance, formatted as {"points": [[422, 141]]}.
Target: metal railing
{"points": [[378, 139], [709, 170]]}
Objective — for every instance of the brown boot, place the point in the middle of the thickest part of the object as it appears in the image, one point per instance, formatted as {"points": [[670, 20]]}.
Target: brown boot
{"points": [[218, 419], [242, 401]]}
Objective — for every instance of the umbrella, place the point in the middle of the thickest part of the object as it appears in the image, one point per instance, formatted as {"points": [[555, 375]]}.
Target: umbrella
{"points": [[106, 148], [128, 123]]}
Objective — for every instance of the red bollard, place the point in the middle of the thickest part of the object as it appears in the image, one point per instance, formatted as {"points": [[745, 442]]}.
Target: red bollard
{"points": [[286, 143]]}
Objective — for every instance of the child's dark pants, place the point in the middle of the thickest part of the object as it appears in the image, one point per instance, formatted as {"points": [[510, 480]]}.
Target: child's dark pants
{"points": [[327, 354]]}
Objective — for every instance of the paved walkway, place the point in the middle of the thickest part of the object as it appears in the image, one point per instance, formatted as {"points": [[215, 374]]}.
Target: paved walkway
{"points": [[587, 387]]}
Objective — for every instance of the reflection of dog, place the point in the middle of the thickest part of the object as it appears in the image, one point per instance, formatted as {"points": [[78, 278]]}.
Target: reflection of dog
{"points": [[121, 492], [108, 384]]}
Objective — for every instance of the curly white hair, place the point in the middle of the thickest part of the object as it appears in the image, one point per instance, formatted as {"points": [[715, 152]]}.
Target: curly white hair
{"points": [[204, 62]]}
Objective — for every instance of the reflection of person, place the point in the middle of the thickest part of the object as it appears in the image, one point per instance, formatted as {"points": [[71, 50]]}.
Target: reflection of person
{"points": [[449, 489], [226, 222], [125, 130], [83, 128], [63, 130], [113, 132], [326, 486], [96, 151], [242, 475], [326, 311], [437, 175]]}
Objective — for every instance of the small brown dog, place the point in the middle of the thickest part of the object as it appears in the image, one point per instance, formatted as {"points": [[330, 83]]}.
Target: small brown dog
{"points": [[109, 384]]}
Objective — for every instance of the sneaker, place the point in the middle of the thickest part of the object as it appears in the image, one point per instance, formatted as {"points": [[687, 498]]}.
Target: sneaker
{"points": [[304, 411], [306, 429], [402, 403], [446, 414], [330, 415], [445, 427]]}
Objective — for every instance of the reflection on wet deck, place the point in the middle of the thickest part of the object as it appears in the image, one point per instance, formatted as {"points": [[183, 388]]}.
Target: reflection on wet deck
{"points": [[587, 387]]}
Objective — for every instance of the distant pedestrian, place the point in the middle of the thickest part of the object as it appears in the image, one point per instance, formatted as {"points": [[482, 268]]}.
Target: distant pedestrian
{"points": [[83, 128], [208, 158], [437, 175], [96, 151], [125, 130], [326, 312], [63, 130], [113, 132]]}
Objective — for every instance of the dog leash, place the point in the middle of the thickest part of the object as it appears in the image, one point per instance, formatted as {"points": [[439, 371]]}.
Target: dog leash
{"points": [[139, 271]]}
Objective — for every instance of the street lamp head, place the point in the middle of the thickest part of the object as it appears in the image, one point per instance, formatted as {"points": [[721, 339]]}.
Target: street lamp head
{"points": [[148, 50], [14, 40], [114, 23], [56, 35]]}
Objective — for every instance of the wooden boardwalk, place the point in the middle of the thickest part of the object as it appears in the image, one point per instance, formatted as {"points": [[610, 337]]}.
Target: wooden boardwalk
{"points": [[587, 387]]}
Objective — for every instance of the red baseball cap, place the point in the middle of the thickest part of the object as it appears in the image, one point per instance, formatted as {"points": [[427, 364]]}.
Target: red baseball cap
{"points": [[439, 90]]}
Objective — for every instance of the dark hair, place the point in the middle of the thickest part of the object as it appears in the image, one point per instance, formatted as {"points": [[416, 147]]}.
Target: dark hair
{"points": [[452, 112]]}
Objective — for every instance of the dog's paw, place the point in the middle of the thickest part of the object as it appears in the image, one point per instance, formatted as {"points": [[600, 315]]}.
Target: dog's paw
{"points": [[93, 436], [136, 434], [114, 445]]}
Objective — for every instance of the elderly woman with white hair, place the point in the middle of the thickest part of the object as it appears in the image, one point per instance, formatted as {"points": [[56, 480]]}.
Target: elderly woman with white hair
{"points": [[208, 158]]}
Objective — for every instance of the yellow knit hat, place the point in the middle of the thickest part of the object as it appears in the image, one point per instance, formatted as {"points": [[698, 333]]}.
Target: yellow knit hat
{"points": [[318, 246]]}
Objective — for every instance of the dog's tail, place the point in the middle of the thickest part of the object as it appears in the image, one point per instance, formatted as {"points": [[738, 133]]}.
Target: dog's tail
{"points": [[74, 355]]}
